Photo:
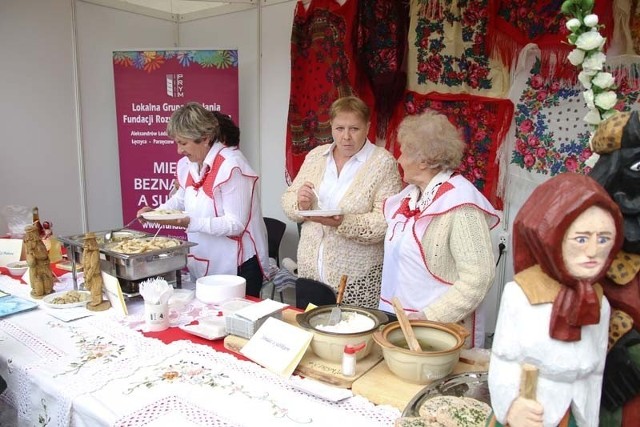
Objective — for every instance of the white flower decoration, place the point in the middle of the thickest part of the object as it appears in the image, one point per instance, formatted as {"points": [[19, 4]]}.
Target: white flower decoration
{"points": [[594, 62], [587, 56], [593, 117], [585, 79], [606, 100], [588, 98], [576, 57], [590, 20], [573, 24], [603, 80], [589, 40]]}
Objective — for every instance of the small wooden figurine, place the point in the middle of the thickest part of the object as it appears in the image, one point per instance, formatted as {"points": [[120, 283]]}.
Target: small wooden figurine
{"points": [[40, 274], [553, 315], [92, 274]]}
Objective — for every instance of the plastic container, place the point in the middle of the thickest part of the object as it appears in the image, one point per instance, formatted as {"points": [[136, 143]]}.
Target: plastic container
{"points": [[349, 358], [219, 288]]}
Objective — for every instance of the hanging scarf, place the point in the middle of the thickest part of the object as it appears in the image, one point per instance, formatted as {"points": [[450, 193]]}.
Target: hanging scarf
{"points": [[634, 25], [519, 22], [548, 134], [323, 69], [382, 41], [448, 49], [483, 123]]}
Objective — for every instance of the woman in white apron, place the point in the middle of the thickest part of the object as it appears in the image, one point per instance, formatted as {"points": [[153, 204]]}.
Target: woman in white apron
{"points": [[219, 191], [438, 258]]}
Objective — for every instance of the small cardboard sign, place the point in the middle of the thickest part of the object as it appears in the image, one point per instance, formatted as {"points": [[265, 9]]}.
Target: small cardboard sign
{"points": [[10, 250], [278, 346], [114, 293]]}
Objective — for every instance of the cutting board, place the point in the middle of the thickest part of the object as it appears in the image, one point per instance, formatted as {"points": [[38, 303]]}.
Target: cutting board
{"points": [[311, 365], [383, 387]]}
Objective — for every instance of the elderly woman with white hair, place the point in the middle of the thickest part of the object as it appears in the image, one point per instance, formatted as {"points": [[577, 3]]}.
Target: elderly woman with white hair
{"points": [[438, 258]]}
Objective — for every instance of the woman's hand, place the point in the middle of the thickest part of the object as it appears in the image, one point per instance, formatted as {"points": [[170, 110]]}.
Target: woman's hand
{"points": [[141, 211], [525, 413], [330, 221], [306, 196]]}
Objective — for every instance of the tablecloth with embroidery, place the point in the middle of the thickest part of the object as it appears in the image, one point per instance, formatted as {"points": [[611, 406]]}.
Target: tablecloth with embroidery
{"points": [[99, 371]]}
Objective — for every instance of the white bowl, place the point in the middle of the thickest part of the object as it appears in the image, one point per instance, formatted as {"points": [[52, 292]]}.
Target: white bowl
{"points": [[17, 268], [218, 288]]}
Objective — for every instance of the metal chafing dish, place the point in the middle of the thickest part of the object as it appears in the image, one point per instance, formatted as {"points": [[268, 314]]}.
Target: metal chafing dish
{"points": [[130, 268]]}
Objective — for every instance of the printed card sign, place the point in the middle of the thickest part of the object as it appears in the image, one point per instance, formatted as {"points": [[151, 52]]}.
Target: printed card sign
{"points": [[149, 87], [278, 346], [10, 250]]}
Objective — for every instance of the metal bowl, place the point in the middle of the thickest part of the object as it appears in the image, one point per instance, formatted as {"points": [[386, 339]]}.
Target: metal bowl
{"points": [[330, 345], [468, 384]]}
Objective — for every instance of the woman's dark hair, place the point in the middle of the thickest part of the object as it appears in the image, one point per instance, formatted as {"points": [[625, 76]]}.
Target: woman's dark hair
{"points": [[229, 132]]}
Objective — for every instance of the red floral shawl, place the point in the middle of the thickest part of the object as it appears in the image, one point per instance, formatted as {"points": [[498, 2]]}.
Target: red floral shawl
{"points": [[323, 69], [484, 123]]}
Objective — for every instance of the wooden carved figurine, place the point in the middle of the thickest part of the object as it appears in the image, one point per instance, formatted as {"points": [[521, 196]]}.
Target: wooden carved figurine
{"points": [[92, 274], [40, 274], [553, 315]]}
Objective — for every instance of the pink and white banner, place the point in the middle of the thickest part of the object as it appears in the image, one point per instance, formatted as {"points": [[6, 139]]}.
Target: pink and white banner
{"points": [[149, 87]]}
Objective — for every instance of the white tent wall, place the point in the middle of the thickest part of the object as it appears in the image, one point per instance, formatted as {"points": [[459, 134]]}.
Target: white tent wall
{"points": [[60, 147], [39, 159]]}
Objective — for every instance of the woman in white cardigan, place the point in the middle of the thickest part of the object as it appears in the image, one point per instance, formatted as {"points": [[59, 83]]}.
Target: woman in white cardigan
{"points": [[438, 258], [353, 176]]}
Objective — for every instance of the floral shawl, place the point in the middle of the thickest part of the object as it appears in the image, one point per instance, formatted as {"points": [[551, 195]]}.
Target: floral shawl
{"points": [[448, 49], [519, 22], [483, 122], [548, 135], [323, 69]]}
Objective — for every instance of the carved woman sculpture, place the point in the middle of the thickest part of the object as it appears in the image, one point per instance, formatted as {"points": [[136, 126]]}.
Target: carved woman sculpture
{"points": [[40, 274], [553, 315], [92, 274]]}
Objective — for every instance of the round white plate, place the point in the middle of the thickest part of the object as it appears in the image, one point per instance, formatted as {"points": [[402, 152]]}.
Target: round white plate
{"points": [[47, 300], [324, 212], [155, 216]]}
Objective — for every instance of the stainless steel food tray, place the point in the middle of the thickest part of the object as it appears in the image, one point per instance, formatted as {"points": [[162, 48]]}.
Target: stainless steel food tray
{"points": [[468, 384], [132, 266]]}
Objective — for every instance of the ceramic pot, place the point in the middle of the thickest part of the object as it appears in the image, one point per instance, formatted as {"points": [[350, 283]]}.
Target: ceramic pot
{"points": [[330, 345], [441, 344]]}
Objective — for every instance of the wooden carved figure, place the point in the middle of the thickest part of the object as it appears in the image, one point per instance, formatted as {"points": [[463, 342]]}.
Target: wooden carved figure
{"points": [[553, 316], [40, 274], [92, 274]]}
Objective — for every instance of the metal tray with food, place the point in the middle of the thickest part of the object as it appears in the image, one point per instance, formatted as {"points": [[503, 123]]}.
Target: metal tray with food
{"points": [[134, 255], [144, 256], [466, 385]]}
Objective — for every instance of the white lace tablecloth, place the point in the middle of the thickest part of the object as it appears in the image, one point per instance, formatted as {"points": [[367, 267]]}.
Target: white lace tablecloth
{"points": [[99, 371]]}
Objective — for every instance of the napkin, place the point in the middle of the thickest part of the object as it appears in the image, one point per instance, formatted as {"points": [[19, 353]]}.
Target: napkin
{"points": [[156, 291]]}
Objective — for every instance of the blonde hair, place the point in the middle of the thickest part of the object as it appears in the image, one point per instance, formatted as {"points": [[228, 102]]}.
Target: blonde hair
{"points": [[193, 121], [350, 104], [431, 137]]}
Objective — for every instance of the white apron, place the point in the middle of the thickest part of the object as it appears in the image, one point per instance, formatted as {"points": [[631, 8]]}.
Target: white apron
{"points": [[404, 260], [221, 254]]}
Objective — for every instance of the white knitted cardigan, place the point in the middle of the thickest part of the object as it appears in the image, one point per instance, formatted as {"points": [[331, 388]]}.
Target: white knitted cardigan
{"points": [[355, 248], [457, 248]]}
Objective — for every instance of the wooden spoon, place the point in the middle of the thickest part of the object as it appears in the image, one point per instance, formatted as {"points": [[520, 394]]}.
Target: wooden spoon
{"points": [[405, 325], [529, 381]]}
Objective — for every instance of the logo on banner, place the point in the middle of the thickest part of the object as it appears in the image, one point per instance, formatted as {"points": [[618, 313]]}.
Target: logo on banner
{"points": [[175, 85]]}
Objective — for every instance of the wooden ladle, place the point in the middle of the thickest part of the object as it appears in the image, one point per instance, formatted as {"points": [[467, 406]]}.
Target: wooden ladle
{"points": [[405, 325]]}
